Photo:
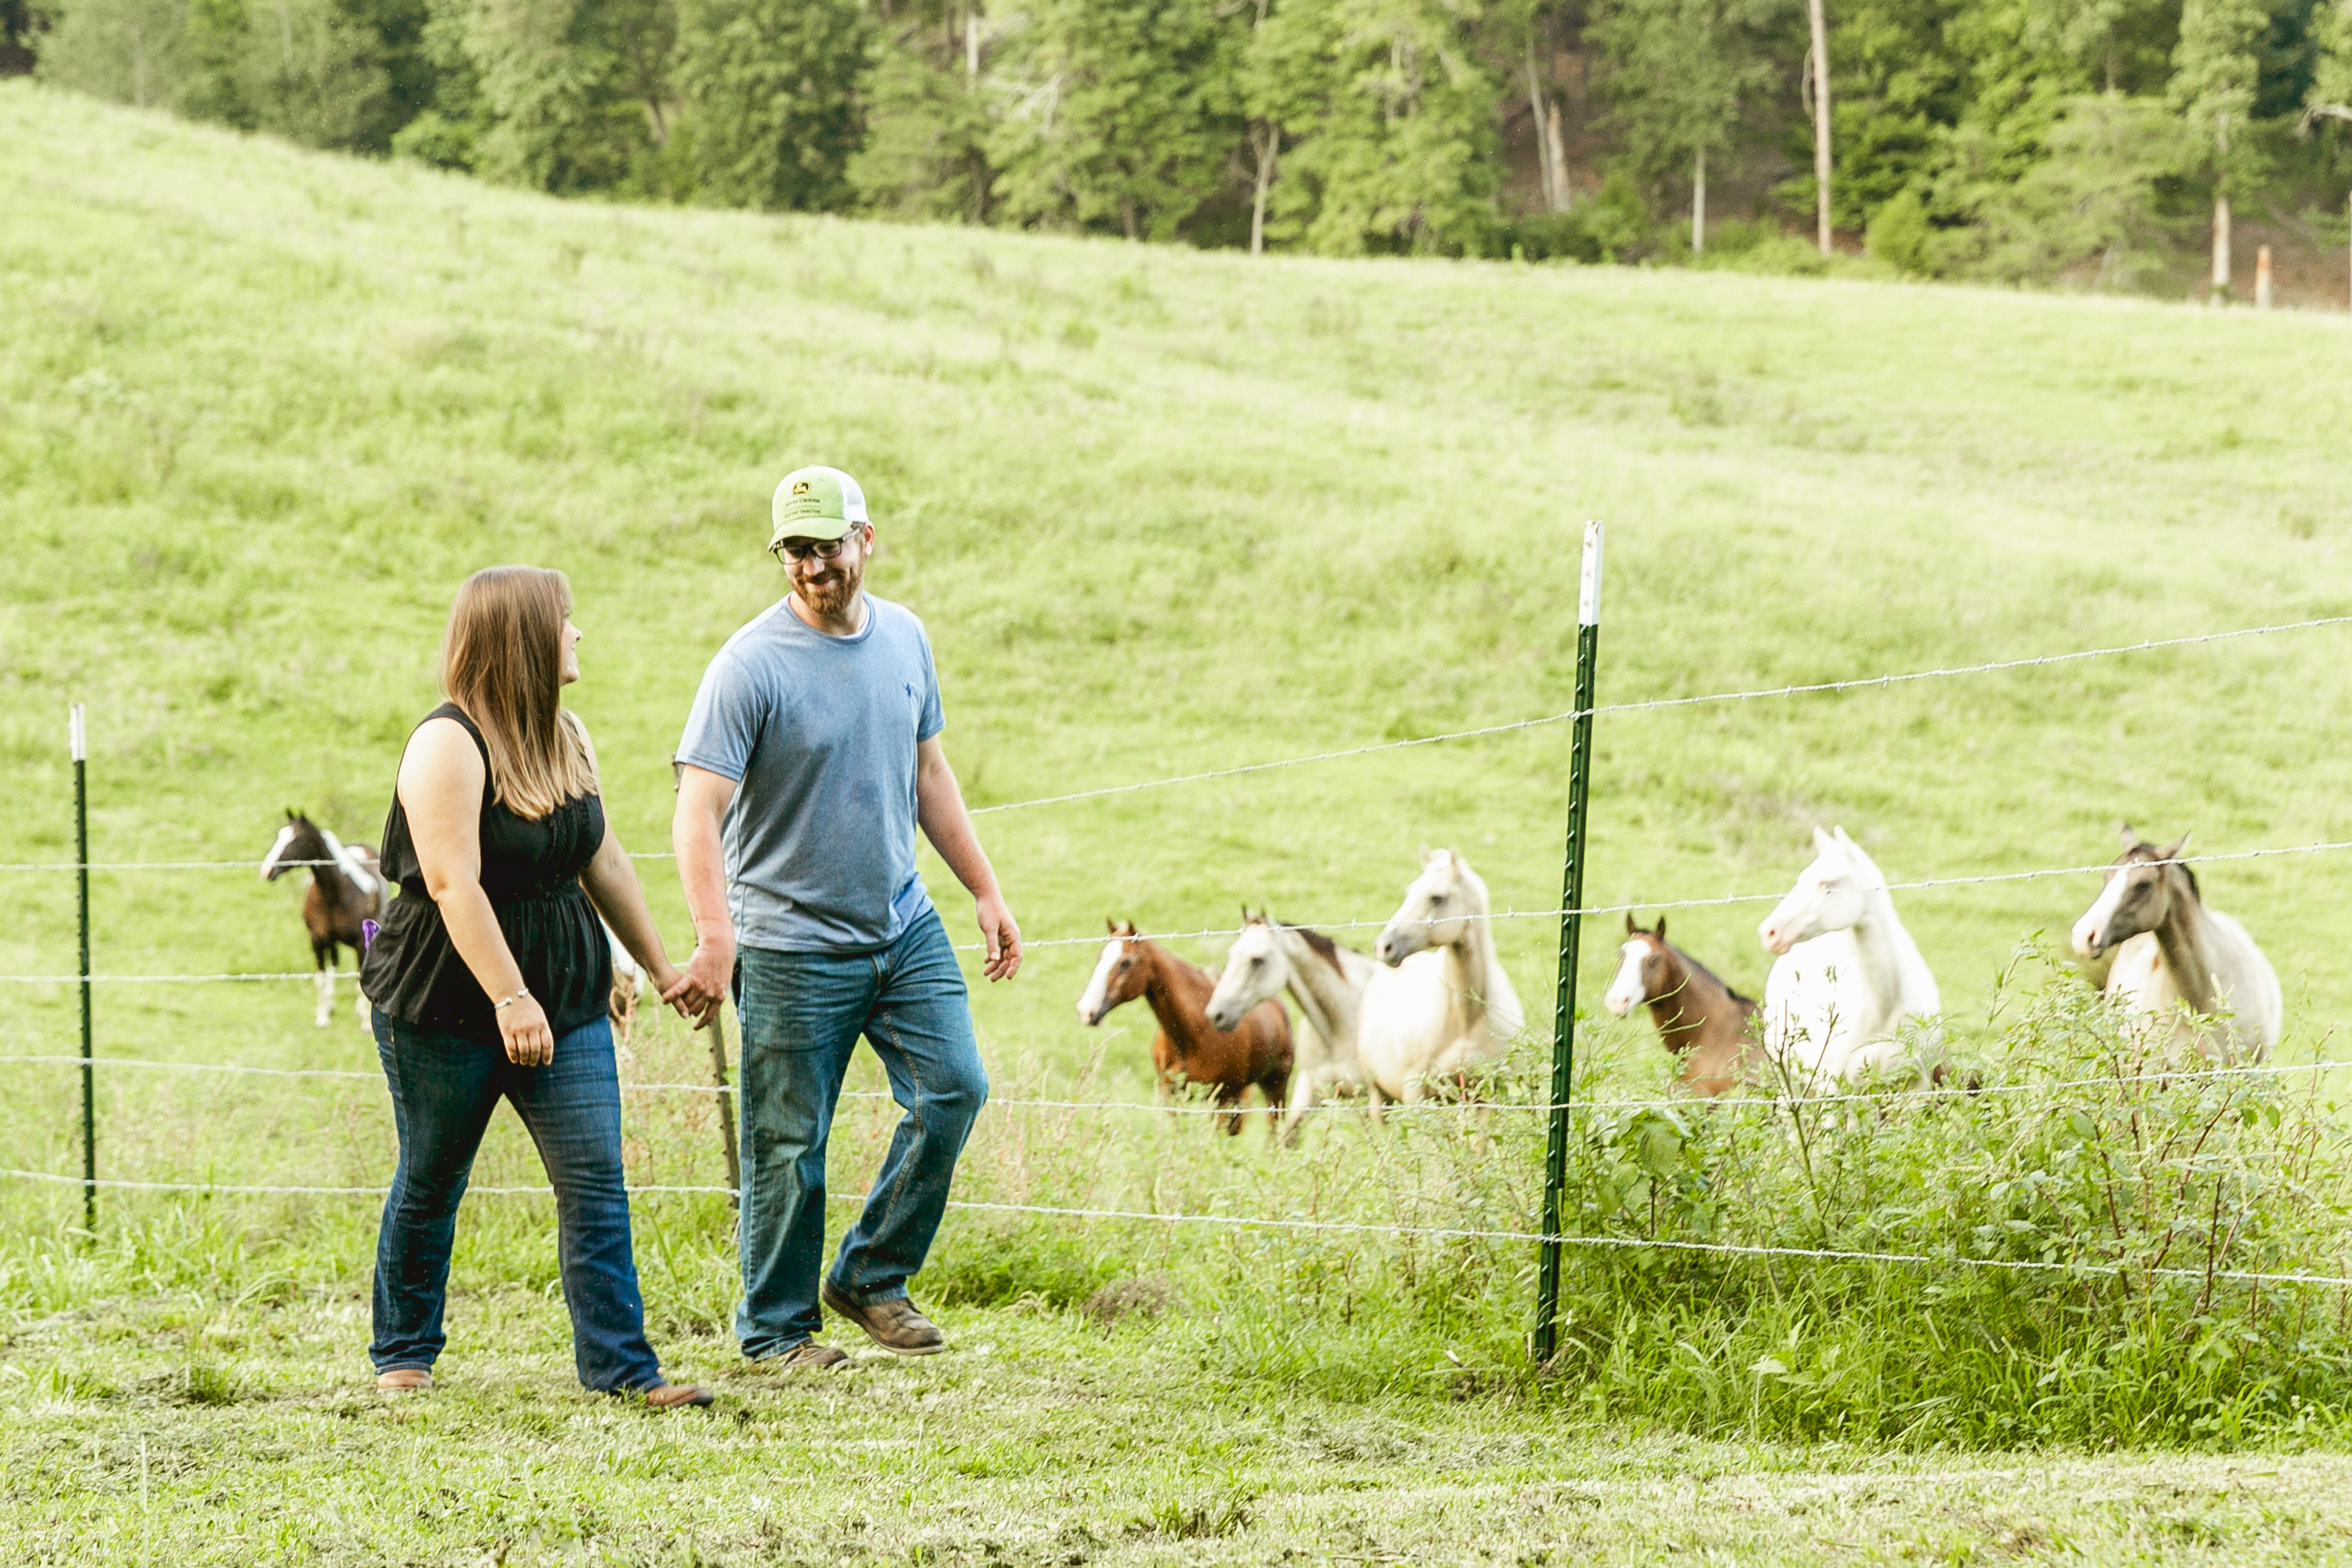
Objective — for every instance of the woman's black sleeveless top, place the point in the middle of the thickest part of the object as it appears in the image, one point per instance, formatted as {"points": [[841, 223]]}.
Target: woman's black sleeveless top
{"points": [[530, 870]]}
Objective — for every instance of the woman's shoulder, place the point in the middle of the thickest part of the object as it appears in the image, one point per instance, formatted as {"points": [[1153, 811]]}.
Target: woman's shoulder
{"points": [[446, 741]]}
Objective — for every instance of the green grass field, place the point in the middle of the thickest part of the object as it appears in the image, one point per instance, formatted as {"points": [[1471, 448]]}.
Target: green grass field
{"points": [[260, 411]]}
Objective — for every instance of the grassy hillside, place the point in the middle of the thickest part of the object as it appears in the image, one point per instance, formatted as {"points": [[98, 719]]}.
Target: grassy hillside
{"points": [[260, 412]]}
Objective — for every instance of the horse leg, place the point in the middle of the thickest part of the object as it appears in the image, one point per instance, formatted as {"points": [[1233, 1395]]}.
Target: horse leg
{"points": [[1229, 1100], [1302, 1100], [324, 980]]}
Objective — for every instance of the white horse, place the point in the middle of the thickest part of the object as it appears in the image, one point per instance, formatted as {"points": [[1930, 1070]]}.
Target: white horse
{"points": [[1847, 974], [1443, 1005], [1328, 982], [2170, 950]]}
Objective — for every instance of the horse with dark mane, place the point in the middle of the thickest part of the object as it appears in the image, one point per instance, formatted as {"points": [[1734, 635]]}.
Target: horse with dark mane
{"points": [[346, 890], [1706, 1023], [1189, 1049]]}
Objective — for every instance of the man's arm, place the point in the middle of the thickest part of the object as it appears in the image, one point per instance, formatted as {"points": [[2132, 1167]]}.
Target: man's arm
{"points": [[939, 806], [695, 834]]}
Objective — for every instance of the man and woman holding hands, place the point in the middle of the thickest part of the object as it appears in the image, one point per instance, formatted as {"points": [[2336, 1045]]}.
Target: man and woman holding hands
{"points": [[810, 758]]}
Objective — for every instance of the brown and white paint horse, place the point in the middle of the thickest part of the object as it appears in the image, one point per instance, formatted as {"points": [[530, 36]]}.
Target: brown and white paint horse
{"points": [[2170, 949], [1711, 1028], [1189, 1049], [346, 888]]}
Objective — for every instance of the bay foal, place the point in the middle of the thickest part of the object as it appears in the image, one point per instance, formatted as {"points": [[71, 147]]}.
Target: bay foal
{"points": [[1189, 1049], [1707, 1025]]}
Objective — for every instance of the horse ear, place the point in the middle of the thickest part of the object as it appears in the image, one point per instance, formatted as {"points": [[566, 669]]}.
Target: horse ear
{"points": [[1111, 925], [1822, 843], [2173, 851], [1631, 929], [1427, 854], [1661, 932], [1841, 836], [2131, 838]]}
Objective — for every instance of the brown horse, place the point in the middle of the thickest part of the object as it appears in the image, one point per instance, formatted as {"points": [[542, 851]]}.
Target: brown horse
{"points": [[346, 889], [1189, 1049], [1708, 1025]]}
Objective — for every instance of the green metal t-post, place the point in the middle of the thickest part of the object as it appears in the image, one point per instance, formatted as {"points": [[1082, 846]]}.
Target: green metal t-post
{"points": [[1571, 898], [77, 733]]}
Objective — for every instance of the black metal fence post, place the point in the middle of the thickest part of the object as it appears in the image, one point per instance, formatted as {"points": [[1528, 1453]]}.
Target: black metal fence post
{"points": [[77, 732], [1571, 897]]}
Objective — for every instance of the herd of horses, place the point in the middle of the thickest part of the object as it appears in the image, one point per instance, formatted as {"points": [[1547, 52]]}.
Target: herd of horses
{"points": [[1849, 1000], [1846, 980]]}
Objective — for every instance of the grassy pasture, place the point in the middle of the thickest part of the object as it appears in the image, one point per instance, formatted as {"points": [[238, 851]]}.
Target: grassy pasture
{"points": [[260, 412]]}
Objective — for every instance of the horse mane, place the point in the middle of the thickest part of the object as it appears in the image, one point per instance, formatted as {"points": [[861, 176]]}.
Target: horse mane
{"points": [[1325, 948], [1691, 963]]}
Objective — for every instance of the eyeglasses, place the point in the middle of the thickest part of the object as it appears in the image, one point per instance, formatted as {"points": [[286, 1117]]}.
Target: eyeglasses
{"points": [[824, 550]]}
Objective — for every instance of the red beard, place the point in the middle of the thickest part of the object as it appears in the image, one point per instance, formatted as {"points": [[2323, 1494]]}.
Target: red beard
{"points": [[831, 593]]}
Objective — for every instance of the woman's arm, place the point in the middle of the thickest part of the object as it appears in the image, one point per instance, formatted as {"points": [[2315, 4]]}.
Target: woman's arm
{"points": [[613, 887], [441, 779]]}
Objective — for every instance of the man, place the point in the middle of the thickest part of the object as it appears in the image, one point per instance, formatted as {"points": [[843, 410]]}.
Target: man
{"points": [[811, 756]]}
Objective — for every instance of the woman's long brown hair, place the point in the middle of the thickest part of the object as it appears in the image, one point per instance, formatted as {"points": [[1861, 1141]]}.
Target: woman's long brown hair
{"points": [[503, 664]]}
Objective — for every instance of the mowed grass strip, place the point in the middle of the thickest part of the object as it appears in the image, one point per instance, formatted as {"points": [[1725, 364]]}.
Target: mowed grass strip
{"points": [[260, 411]]}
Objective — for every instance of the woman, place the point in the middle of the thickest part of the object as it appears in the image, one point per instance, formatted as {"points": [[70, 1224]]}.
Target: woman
{"points": [[490, 977]]}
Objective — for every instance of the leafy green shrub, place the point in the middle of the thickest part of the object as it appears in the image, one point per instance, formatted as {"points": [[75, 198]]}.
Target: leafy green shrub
{"points": [[1898, 233]]}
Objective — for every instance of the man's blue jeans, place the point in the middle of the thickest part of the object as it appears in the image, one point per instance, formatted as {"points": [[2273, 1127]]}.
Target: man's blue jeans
{"points": [[802, 1013], [443, 1090]]}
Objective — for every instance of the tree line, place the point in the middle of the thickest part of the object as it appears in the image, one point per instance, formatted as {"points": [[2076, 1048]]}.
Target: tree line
{"points": [[2008, 138]]}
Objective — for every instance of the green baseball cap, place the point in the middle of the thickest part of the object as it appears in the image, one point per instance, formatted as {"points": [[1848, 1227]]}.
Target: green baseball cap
{"points": [[816, 504]]}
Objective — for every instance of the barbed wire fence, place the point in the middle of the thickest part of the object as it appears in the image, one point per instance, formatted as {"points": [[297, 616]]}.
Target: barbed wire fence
{"points": [[1551, 1238]]}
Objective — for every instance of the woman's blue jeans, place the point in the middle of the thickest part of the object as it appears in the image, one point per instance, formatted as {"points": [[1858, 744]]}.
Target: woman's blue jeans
{"points": [[443, 1090], [802, 1013]]}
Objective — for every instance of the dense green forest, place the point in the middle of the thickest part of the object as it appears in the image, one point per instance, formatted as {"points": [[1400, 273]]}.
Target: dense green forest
{"points": [[2103, 143]]}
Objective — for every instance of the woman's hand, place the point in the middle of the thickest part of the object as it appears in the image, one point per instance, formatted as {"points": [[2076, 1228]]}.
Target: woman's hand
{"points": [[524, 1030], [665, 974]]}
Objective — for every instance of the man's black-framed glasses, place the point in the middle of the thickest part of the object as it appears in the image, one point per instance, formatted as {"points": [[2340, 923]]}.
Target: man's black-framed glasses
{"points": [[798, 550]]}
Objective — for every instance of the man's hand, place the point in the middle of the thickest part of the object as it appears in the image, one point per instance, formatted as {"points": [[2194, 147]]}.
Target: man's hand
{"points": [[703, 984], [1003, 936]]}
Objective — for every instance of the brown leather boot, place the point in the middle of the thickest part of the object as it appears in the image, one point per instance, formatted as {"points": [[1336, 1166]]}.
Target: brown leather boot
{"points": [[403, 1379], [896, 1325], [670, 1395]]}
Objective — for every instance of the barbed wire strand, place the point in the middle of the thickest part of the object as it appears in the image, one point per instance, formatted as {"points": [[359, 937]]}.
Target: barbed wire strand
{"points": [[1603, 1105], [1652, 704], [1587, 911], [1335, 1226]]}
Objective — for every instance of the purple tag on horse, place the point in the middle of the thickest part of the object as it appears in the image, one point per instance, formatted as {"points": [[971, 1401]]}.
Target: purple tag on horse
{"points": [[368, 929]]}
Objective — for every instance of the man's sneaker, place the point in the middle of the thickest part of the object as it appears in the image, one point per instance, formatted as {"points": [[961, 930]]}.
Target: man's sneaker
{"points": [[806, 1356], [894, 1324]]}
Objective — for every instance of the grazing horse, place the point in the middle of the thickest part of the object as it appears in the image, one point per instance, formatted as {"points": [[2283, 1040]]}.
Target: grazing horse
{"points": [[1848, 974], [1707, 1025], [1328, 982], [346, 888], [1189, 1049], [1443, 1004], [2170, 949]]}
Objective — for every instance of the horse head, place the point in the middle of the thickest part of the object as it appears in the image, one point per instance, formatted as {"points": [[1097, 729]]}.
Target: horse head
{"points": [[1644, 968], [1830, 894], [2141, 886], [1256, 969], [1120, 973], [299, 841], [1439, 909]]}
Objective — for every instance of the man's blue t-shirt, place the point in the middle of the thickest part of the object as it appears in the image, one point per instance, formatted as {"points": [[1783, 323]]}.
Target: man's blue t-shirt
{"points": [[819, 734]]}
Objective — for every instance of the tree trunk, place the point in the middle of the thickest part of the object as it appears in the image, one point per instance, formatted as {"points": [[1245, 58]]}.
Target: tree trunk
{"points": [[1268, 140], [2221, 243], [971, 42], [1821, 116], [1698, 206], [1561, 193], [1546, 172]]}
